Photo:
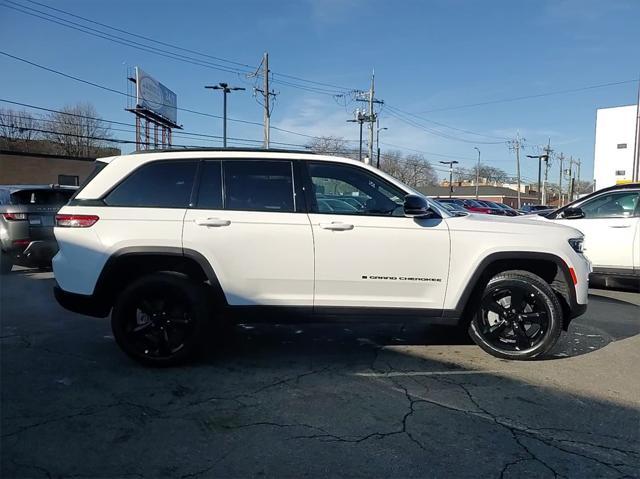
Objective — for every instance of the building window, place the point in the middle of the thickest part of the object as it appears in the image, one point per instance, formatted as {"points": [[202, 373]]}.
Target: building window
{"points": [[68, 180], [620, 172], [622, 146]]}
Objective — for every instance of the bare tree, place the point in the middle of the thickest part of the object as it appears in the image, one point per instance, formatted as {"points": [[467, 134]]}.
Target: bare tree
{"points": [[330, 145], [18, 125], [78, 131], [487, 173], [413, 169]]}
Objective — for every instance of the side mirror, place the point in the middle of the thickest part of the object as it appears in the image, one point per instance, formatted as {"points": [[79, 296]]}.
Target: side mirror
{"points": [[416, 206], [573, 214]]}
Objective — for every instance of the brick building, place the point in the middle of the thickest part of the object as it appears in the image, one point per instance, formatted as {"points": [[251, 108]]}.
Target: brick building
{"points": [[18, 168]]}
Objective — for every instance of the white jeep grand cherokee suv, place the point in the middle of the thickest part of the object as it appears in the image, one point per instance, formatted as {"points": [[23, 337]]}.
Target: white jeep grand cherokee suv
{"points": [[170, 242]]}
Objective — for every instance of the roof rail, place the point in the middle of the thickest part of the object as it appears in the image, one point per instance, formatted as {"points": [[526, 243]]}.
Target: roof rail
{"points": [[232, 149]]}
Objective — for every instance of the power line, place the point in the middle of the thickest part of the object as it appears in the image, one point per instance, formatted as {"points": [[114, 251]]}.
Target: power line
{"points": [[155, 50], [445, 125], [250, 67], [526, 97], [435, 132]]}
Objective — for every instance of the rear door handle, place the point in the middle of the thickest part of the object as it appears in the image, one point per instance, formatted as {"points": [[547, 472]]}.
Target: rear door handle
{"points": [[620, 226], [336, 226], [212, 222]]}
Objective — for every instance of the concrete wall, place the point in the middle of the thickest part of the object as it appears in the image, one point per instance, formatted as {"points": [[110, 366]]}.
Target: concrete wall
{"points": [[21, 168], [613, 163]]}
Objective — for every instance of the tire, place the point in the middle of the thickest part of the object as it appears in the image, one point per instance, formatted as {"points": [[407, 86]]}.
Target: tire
{"points": [[525, 330], [6, 262], [160, 319]]}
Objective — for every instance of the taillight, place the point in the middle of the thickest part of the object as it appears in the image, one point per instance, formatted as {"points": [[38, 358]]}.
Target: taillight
{"points": [[14, 216], [76, 221]]}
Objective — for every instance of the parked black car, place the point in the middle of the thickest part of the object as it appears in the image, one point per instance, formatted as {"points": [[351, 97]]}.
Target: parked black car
{"points": [[27, 217]]}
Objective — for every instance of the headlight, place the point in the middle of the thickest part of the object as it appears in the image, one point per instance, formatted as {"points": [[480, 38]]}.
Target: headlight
{"points": [[577, 244]]}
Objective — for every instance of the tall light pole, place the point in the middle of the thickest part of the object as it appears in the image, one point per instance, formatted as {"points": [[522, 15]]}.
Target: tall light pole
{"points": [[450, 163], [225, 89], [477, 171], [378, 142]]}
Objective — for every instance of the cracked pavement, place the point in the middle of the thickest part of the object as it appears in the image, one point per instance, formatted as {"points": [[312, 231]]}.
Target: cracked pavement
{"points": [[315, 400]]}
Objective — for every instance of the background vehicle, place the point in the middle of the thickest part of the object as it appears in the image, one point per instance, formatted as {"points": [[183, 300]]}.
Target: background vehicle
{"points": [[453, 208], [469, 205], [610, 221], [508, 209], [169, 242], [27, 215], [529, 209], [496, 209]]}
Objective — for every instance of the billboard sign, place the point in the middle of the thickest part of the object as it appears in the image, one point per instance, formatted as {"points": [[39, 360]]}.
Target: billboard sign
{"points": [[155, 97]]}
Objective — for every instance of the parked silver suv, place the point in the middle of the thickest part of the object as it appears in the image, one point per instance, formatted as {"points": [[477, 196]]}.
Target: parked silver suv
{"points": [[27, 216]]}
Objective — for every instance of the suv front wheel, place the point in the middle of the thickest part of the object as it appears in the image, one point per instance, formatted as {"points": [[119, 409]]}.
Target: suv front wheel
{"points": [[519, 316], [160, 318]]}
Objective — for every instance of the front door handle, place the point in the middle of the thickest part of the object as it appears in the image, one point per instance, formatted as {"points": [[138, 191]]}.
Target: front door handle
{"points": [[336, 226], [212, 222], [619, 226]]}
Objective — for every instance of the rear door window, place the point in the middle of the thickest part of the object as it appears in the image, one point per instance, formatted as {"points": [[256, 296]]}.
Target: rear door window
{"points": [[258, 185], [160, 184]]}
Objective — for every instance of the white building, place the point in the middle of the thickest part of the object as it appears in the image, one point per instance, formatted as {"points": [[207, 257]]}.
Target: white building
{"points": [[615, 158]]}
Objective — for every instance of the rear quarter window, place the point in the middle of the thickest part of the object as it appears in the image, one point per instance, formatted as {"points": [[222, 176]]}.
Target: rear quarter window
{"points": [[160, 184]]}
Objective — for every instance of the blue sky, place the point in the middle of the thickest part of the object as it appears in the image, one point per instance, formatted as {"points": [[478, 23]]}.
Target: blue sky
{"points": [[428, 56]]}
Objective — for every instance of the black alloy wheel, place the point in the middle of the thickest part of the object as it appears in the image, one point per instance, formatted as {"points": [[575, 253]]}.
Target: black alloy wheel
{"points": [[519, 316], [159, 319]]}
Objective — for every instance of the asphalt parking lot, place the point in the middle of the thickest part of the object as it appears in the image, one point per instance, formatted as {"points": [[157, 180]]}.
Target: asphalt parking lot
{"points": [[315, 401]]}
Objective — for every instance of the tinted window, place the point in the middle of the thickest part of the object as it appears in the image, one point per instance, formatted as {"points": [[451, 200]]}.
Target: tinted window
{"points": [[611, 205], [336, 186], [164, 184], [258, 185], [210, 191], [41, 197]]}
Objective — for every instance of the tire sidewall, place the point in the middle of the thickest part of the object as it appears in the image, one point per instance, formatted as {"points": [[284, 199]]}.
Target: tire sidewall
{"points": [[551, 304], [191, 291]]}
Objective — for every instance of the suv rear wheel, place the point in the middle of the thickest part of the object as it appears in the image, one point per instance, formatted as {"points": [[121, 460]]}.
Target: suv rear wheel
{"points": [[160, 318], [519, 316]]}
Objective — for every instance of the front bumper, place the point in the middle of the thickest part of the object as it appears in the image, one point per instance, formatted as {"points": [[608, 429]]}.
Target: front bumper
{"points": [[88, 305]]}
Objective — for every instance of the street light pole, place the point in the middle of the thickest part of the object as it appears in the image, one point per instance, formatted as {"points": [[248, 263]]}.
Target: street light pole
{"points": [[378, 129], [477, 171], [225, 89], [450, 163]]}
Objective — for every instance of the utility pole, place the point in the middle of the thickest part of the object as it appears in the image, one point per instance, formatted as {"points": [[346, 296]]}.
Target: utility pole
{"points": [[579, 163], [266, 95], [560, 202], [570, 187], [516, 144], [635, 175], [371, 116], [267, 112], [378, 129], [477, 171], [547, 156], [225, 89], [450, 163]]}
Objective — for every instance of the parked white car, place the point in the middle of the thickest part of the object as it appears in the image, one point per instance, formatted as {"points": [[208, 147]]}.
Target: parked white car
{"points": [[172, 242], [610, 222]]}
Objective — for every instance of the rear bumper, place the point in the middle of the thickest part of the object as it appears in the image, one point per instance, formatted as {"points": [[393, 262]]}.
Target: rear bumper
{"points": [[88, 305]]}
